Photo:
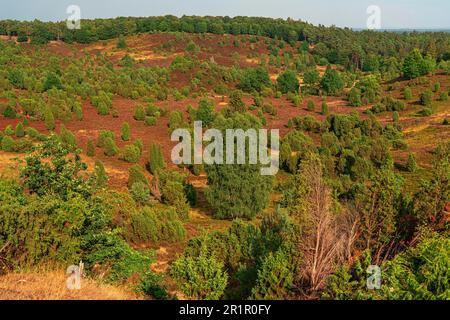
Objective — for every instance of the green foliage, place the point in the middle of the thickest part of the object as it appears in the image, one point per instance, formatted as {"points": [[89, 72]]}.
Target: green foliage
{"points": [[110, 149], [131, 153], [407, 93], [237, 190], [19, 130], [156, 224], [354, 98], [288, 82], [7, 144], [150, 284], [332, 82], [324, 108], [150, 121], [411, 164], [61, 175], [9, 112], [415, 65], [139, 113], [156, 159], [275, 278], [171, 185], [121, 42], [49, 119], [200, 278], [140, 193], [205, 112], [125, 131], [254, 79], [311, 106], [99, 177], [295, 146], [52, 81], [443, 96], [426, 98], [136, 174], [420, 273], [236, 103], [90, 151]]}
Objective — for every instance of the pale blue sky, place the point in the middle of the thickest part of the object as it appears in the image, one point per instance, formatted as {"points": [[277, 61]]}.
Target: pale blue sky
{"points": [[351, 13]]}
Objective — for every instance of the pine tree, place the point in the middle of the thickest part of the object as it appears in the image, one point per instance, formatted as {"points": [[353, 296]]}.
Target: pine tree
{"points": [[49, 119], [411, 164], [156, 159], [90, 148], [125, 131], [324, 108], [136, 174], [100, 177], [19, 130]]}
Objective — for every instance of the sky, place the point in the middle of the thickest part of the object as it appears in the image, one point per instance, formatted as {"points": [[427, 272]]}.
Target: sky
{"points": [[395, 14]]}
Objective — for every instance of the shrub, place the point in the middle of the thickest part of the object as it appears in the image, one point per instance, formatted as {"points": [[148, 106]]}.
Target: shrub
{"points": [[437, 87], [136, 174], [443, 96], [90, 151], [7, 144], [426, 112], [100, 177], [325, 108], [407, 93], [156, 159], [311, 105], [150, 121], [200, 277], [354, 97], [150, 284], [140, 193], [236, 103], [103, 136], [426, 98], [121, 42], [9, 130], [49, 119], [332, 82], [254, 79], [139, 113], [125, 131], [288, 82], [131, 153], [275, 278], [411, 164], [9, 112], [19, 130], [110, 148]]}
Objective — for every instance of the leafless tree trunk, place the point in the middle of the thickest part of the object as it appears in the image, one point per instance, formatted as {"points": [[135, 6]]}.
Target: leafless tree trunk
{"points": [[329, 237]]}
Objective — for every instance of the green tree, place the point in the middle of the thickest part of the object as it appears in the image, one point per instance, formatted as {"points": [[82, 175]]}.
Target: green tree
{"points": [[49, 119], [411, 164], [325, 108], [121, 42], [125, 131], [236, 103], [332, 83], [90, 148], [201, 277], [354, 98], [19, 130], [110, 148], [426, 98], [136, 174], [288, 82], [99, 175], [156, 159], [254, 79], [407, 93], [237, 190]]}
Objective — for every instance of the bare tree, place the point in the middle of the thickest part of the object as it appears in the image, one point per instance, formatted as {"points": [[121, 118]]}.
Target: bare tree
{"points": [[328, 237]]}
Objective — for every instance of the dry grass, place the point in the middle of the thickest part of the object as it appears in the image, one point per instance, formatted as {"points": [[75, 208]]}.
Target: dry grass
{"points": [[51, 285]]}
